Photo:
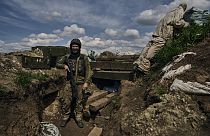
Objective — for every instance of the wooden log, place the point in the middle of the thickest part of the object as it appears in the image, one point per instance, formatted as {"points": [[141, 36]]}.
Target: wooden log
{"points": [[111, 95], [95, 96], [99, 104]]}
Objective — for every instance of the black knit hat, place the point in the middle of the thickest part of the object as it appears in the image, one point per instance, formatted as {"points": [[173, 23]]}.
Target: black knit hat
{"points": [[77, 42]]}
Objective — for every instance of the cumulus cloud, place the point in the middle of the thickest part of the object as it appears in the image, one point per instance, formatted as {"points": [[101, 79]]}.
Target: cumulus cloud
{"points": [[111, 32], [12, 47], [133, 33], [117, 46], [56, 14], [73, 29], [42, 38], [65, 11], [1, 42], [57, 31], [149, 17]]}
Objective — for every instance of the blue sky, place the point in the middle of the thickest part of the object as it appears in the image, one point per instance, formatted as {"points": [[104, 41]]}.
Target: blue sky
{"points": [[115, 25]]}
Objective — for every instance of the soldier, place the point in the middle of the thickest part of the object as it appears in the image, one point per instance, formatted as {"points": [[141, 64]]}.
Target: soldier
{"points": [[166, 29], [72, 94]]}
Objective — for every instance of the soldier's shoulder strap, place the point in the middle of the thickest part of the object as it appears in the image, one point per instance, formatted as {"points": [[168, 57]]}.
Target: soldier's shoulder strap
{"points": [[83, 57]]}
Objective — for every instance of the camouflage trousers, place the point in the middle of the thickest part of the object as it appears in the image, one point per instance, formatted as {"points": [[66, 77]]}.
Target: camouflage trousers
{"points": [[149, 51], [71, 104]]}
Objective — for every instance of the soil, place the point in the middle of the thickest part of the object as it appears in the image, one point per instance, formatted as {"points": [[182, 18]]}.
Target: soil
{"points": [[138, 108]]}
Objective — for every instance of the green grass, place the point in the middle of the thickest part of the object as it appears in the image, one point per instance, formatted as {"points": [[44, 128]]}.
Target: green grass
{"points": [[24, 78], [117, 102], [160, 90], [2, 88], [188, 37]]}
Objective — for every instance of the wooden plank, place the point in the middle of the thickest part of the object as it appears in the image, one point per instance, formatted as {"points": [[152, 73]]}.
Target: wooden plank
{"points": [[95, 96], [99, 104], [109, 65], [96, 131], [114, 75]]}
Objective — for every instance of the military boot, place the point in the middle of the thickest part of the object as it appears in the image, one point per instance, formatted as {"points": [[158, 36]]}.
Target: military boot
{"points": [[63, 123], [64, 120], [80, 123]]}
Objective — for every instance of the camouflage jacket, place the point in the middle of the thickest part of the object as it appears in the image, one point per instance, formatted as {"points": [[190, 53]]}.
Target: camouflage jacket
{"points": [[81, 67]]}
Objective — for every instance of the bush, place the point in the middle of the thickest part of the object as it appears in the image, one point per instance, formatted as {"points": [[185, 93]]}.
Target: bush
{"points": [[160, 90], [24, 78], [187, 38], [2, 90]]}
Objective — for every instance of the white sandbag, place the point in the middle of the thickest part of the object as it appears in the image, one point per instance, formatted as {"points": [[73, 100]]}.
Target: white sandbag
{"points": [[190, 87], [172, 73], [178, 59], [182, 56]]}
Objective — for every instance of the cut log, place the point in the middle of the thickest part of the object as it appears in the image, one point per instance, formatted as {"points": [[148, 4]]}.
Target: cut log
{"points": [[96, 131], [111, 95], [95, 96], [99, 104]]}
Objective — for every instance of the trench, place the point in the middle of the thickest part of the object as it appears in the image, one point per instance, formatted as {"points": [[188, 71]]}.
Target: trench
{"points": [[50, 103]]}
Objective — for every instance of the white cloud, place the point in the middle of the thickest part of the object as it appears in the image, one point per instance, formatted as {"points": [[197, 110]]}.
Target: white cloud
{"points": [[56, 14], [73, 29], [42, 38], [2, 42], [123, 46], [149, 17], [133, 33], [111, 32], [57, 31], [12, 47], [65, 11]]}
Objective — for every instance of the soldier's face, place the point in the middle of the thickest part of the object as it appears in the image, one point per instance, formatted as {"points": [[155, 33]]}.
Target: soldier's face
{"points": [[75, 48]]}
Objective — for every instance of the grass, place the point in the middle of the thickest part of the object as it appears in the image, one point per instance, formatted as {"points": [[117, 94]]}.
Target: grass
{"points": [[160, 90], [116, 100], [24, 78], [2, 90], [187, 38]]}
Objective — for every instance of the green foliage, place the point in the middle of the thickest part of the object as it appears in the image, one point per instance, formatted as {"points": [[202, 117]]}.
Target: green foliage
{"points": [[116, 100], [160, 90], [188, 37], [24, 78], [3, 90]]}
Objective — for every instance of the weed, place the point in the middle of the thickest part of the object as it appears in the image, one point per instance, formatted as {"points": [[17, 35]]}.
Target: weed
{"points": [[187, 38], [160, 90], [24, 78], [116, 100]]}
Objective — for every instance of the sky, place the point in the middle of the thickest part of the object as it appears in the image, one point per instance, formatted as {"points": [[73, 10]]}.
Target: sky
{"points": [[122, 26]]}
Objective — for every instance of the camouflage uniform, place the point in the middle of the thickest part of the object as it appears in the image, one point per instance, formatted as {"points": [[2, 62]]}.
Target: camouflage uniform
{"points": [[82, 74], [166, 28]]}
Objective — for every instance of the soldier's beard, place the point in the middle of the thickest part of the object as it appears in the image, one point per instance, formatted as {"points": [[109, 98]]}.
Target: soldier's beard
{"points": [[75, 51]]}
